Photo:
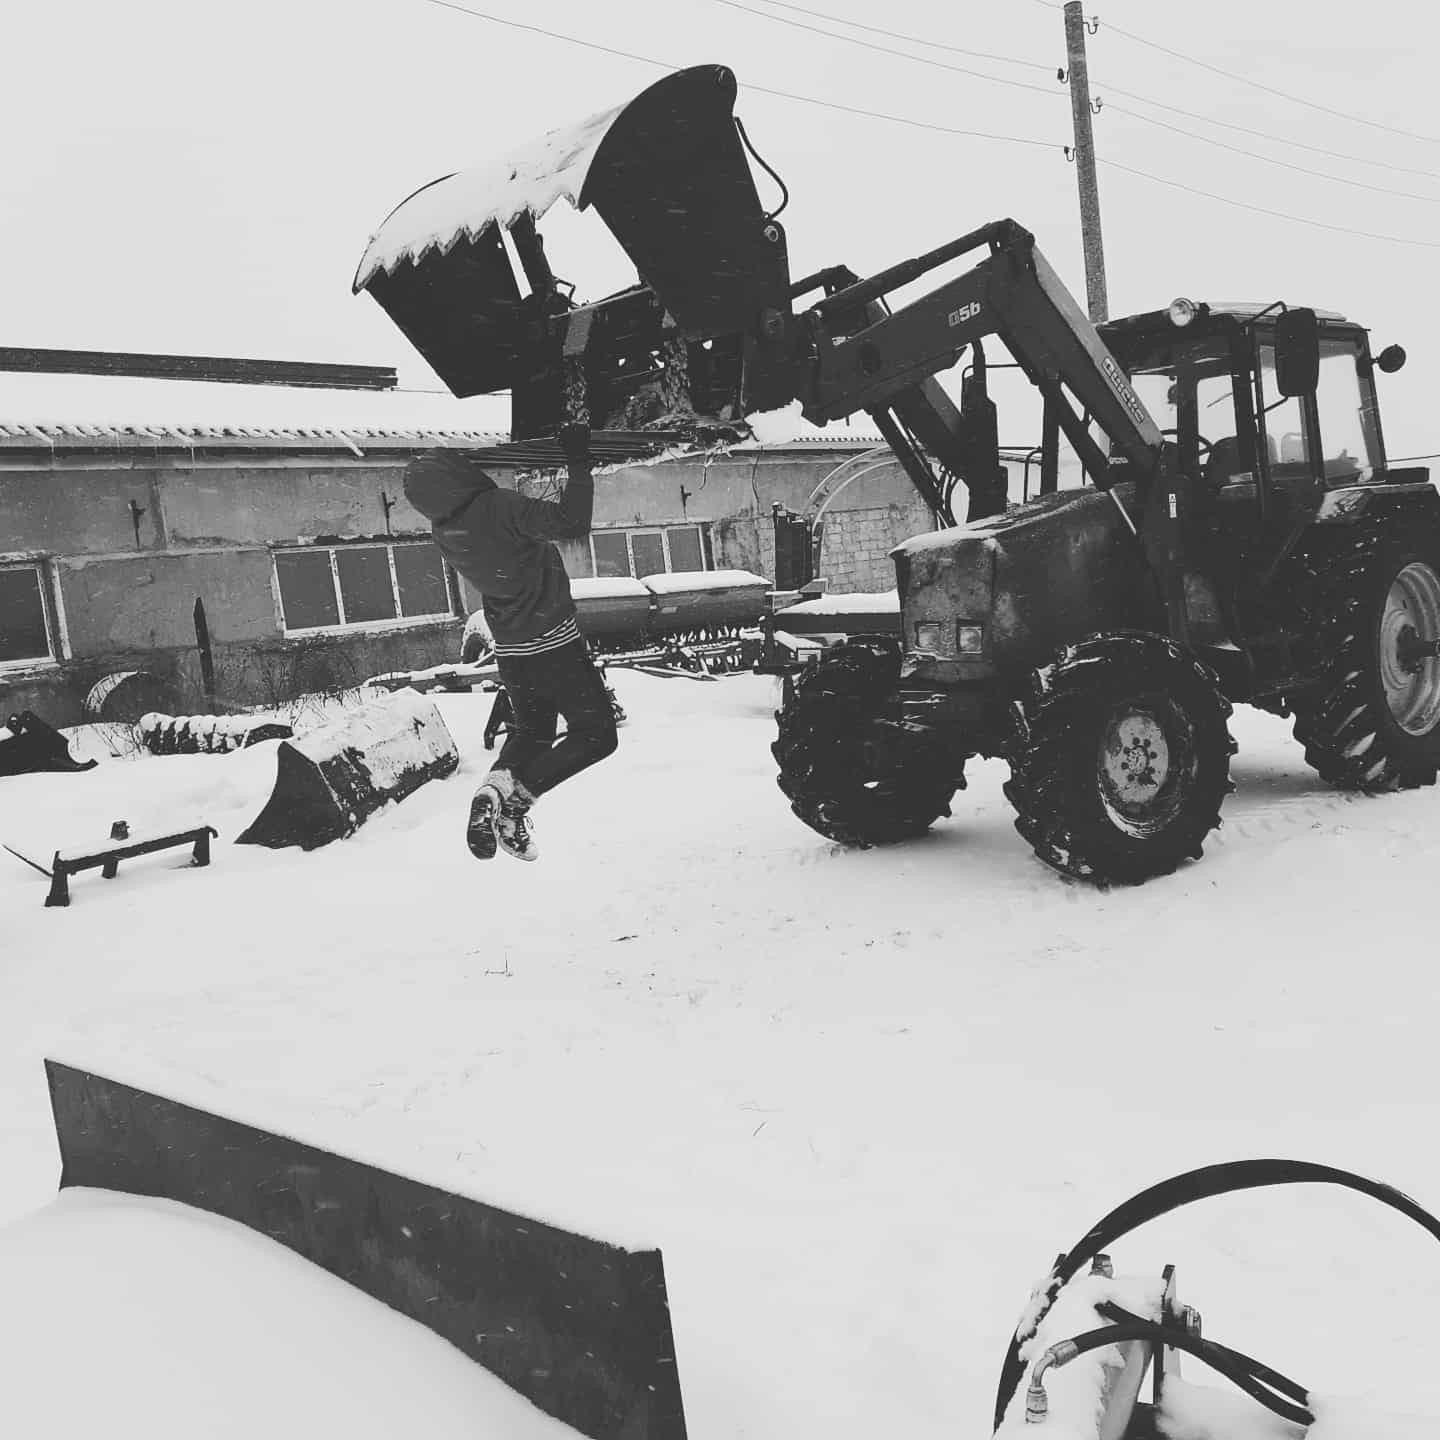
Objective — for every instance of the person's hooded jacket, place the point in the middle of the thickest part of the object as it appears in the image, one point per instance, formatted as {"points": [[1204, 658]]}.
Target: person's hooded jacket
{"points": [[502, 542]]}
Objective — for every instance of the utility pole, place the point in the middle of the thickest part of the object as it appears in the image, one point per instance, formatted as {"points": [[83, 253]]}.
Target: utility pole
{"points": [[1079, 74]]}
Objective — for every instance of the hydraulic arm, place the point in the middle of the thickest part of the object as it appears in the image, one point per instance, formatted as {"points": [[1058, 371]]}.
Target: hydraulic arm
{"points": [[864, 357]]}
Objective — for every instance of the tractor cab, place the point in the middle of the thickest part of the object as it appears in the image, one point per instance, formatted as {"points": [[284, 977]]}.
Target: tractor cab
{"points": [[1268, 408]]}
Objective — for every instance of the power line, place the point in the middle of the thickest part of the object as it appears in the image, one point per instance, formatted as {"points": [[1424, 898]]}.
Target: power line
{"points": [[1245, 80], [886, 50], [1262, 210], [943, 129], [1268, 135], [1148, 119], [911, 39], [758, 89], [1270, 160], [550, 34], [1271, 90]]}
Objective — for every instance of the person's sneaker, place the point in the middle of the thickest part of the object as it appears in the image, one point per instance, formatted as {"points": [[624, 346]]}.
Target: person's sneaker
{"points": [[513, 830], [480, 833]]}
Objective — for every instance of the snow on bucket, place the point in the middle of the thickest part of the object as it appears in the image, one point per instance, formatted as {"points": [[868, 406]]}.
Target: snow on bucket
{"points": [[331, 780]]}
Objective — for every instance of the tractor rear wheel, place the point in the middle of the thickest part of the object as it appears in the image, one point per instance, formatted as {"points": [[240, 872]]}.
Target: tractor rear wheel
{"points": [[1372, 722], [828, 769], [1120, 759]]}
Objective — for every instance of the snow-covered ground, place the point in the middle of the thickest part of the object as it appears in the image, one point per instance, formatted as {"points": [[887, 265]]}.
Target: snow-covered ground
{"points": [[859, 1099]]}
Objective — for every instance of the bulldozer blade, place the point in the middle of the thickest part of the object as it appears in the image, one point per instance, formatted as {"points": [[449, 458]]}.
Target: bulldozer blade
{"points": [[668, 175], [579, 1327]]}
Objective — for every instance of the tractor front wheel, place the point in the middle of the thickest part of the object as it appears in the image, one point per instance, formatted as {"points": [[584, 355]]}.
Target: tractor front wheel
{"points": [[1120, 758], [833, 776]]}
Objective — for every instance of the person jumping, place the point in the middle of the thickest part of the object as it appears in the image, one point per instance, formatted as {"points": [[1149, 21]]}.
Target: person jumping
{"points": [[503, 543]]}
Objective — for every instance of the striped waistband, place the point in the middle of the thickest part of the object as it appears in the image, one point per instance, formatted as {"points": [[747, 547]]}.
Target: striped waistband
{"points": [[567, 632]]}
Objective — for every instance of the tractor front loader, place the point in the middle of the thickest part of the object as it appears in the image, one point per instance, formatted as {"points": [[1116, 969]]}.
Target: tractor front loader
{"points": [[1238, 535]]}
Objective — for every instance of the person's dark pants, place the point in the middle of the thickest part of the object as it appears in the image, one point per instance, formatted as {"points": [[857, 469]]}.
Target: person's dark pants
{"points": [[542, 688]]}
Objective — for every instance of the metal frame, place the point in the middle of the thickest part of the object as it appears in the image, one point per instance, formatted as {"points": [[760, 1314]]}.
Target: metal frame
{"points": [[344, 626], [663, 530], [40, 570]]}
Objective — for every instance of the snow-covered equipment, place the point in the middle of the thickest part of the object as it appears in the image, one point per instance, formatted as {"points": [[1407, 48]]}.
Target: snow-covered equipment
{"points": [[477, 644], [682, 621], [1076, 1364], [1233, 530], [578, 1326], [207, 734], [329, 781], [123, 846], [33, 744], [653, 365], [123, 696]]}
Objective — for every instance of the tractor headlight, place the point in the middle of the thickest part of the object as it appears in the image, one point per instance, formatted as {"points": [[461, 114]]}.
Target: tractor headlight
{"points": [[1183, 311], [928, 635], [933, 636]]}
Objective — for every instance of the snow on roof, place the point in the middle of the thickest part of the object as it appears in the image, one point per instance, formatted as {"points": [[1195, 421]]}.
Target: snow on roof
{"points": [[1247, 309], [789, 427], [89, 411], [680, 580], [531, 179]]}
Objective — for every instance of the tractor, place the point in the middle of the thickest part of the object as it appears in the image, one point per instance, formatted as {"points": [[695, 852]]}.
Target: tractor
{"points": [[1239, 535]]}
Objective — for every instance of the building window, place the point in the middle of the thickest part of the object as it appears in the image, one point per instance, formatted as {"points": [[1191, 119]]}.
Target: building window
{"points": [[24, 620], [637, 553], [326, 588]]}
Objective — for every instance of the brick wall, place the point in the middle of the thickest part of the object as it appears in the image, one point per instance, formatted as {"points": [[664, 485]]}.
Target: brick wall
{"points": [[855, 544]]}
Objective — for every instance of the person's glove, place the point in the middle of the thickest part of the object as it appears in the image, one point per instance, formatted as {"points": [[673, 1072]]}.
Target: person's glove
{"points": [[575, 441]]}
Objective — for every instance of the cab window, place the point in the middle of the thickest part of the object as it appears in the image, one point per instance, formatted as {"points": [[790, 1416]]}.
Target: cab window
{"points": [[1349, 444], [1284, 418]]}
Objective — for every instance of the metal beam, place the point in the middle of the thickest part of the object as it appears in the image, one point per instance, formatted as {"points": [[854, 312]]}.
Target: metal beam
{"points": [[227, 370]]}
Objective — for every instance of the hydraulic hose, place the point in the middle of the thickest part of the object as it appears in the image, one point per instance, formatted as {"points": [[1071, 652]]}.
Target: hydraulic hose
{"points": [[1117, 1315], [1179, 1190], [1238, 1369]]}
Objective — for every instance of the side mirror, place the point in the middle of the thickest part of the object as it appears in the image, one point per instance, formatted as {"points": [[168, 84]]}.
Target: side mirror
{"points": [[1297, 353], [1390, 359]]}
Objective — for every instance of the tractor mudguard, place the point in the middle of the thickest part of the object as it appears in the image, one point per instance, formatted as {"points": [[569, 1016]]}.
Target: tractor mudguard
{"points": [[1348, 503]]}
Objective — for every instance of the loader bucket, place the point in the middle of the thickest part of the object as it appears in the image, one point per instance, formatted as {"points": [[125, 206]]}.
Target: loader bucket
{"points": [[578, 1326], [668, 175], [671, 181]]}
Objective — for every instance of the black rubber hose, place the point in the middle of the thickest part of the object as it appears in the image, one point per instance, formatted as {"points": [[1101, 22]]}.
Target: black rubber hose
{"points": [[1118, 1315], [760, 161], [1228, 1363], [1202, 1184]]}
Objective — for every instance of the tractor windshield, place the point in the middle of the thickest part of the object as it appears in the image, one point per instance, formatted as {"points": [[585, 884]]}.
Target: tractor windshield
{"points": [[1188, 387]]}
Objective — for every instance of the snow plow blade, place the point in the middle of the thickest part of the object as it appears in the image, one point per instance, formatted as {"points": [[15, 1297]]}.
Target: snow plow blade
{"points": [[330, 781], [668, 175], [32, 745], [579, 1327]]}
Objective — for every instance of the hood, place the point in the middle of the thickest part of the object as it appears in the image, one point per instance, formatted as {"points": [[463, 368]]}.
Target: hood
{"points": [[441, 482]]}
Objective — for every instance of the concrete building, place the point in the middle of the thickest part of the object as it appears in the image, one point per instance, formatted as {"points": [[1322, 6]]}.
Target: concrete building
{"points": [[224, 564]]}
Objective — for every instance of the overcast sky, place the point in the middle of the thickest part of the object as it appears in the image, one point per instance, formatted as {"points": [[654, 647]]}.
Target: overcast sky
{"points": [[184, 175]]}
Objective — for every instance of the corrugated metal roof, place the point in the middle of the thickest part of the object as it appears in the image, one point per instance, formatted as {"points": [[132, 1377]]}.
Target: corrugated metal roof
{"points": [[357, 438], [124, 437], [132, 415]]}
